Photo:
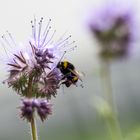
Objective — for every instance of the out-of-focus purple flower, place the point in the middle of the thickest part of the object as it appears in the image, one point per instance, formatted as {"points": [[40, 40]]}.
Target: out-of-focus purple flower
{"points": [[113, 27], [29, 106]]}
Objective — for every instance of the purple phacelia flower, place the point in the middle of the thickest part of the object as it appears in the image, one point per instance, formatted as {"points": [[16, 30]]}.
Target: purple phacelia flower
{"points": [[50, 83], [44, 109], [113, 27], [41, 106], [36, 64], [27, 110]]}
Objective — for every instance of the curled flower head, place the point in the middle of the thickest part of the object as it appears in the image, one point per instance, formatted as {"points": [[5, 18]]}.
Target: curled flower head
{"points": [[113, 27], [29, 106], [50, 83], [36, 64], [44, 109], [27, 110]]}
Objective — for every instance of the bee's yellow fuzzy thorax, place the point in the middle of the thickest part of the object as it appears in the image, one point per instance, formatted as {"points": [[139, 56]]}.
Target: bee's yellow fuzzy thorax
{"points": [[65, 64]]}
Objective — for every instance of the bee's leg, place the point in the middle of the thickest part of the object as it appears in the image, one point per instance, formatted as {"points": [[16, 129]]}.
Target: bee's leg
{"points": [[66, 83], [62, 83], [82, 85], [63, 78]]}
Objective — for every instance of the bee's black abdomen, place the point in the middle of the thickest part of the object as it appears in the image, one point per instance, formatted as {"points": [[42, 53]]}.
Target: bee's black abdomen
{"points": [[70, 66]]}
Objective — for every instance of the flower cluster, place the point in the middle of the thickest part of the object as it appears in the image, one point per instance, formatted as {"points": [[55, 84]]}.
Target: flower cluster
{"points": [[29, 106], [38, 64], [33, 72], [113, 28]]}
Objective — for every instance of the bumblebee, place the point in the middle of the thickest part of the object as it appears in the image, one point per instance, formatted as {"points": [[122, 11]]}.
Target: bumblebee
{"points": [[70, 75]]}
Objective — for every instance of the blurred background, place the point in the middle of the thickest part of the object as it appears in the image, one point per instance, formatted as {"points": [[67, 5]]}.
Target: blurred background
{"points": [[74, 115]]}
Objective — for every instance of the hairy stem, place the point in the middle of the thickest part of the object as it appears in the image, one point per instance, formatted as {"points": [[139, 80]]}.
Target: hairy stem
{"points": [[33, 129], [32, 123], [112, 122], [29, 92]]}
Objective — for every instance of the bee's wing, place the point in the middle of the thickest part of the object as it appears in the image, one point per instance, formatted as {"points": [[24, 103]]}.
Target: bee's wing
{"points": [[76, 73]]}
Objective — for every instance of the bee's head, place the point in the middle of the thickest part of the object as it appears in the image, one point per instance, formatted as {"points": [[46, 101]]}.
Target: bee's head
{"points": [[59, 65]]}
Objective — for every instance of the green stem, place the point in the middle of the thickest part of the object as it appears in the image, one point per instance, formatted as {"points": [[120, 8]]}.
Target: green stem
{"points": [[33, 129], [106, 82], [112, 122], [29, 92], [33, 123]]}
